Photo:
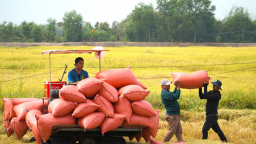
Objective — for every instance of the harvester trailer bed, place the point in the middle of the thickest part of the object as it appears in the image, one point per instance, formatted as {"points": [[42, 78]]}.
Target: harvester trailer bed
{"points": [[64, 130], [69, 134]]}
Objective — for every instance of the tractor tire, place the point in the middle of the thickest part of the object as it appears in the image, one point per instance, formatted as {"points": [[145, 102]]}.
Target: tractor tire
{"points": [[60, 141], [55, 93], [114, 140]]}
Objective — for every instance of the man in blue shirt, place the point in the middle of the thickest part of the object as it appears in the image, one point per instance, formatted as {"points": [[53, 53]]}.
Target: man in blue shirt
{"points": [[77, 74]]}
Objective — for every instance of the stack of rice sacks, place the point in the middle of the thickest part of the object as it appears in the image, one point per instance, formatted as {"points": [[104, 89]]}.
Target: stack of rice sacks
{"points": [[113, 98], [16, 112]]}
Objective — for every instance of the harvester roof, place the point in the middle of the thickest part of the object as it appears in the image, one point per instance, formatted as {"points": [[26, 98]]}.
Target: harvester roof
{"points": [[70, 51]]}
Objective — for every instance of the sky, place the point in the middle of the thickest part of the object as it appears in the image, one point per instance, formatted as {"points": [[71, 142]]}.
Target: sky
{"points": [[93, 11]]}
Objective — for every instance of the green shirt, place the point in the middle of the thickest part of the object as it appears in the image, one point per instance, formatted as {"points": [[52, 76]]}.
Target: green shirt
{"points": [[169, 100]]}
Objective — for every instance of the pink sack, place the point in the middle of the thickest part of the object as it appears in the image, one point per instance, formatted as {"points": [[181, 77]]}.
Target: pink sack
{"points": [[70, 93], [117, 77], [92, 120], [31, 116], [139, 121], [89, 87], [153, 141], [61, 107], [191, 81], [143, 108], [22, 109], [138, 137], [23, 100], [154, 127], [110, 124], [133, 92], [17, 102], [7, 107], [146, 135], [8, 128], [32, 124], [131, 138], [141, 85], [108, 92], [105, 106], [84, 109], [46, 122], [123, 107], [150, 122], [12, 113], [19, 127]]}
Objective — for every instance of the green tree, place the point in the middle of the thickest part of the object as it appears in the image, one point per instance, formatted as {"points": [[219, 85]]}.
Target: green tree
{"points": [[104, 26], [202, 15], [26, 29], [72, 26], [174, 22], [179, 18], [254, 31], [116, 31], [96, 34], [163, 19], [100, 35], [236, 24], [122, 35], [87, 32], [7, 31], [254, 25], [37, 33], [139, 22], [51, 30], [87, 26], [97, 25], [2, 26], [206, 31], [112, 38]]}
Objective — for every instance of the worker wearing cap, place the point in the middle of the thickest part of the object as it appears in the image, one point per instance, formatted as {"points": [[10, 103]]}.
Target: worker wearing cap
{"points": [[77, 74], [169, 100], [213, 98]]}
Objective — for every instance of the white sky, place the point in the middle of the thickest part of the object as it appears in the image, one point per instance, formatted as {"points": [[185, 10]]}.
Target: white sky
{"points": [[92, 11]]}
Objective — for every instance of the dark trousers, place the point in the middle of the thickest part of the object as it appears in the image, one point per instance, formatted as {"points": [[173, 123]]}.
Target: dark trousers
{"points": [[211, 122]]}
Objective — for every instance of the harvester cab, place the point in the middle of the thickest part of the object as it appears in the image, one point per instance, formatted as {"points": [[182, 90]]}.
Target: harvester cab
{"points": [[52, 87]]}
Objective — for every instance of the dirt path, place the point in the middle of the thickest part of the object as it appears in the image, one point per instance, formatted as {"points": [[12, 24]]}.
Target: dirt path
{"points": [[132, 44]]}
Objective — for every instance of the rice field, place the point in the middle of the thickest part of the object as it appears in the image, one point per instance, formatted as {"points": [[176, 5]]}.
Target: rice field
{"points": [[23, 72]]}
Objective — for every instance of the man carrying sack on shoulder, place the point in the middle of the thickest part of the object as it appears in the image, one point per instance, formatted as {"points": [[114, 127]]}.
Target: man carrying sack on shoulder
{"points": [[169, 100], [211, 107]]}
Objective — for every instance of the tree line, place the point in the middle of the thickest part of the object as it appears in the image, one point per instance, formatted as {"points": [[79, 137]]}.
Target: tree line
{"points": [[171, 21]]}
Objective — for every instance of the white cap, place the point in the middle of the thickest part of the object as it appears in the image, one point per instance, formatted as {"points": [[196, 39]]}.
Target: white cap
{"points": [[165, 82]]}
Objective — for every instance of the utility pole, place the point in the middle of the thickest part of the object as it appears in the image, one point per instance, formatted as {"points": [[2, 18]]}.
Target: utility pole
{"points": [[243, 35], [149, 36]]}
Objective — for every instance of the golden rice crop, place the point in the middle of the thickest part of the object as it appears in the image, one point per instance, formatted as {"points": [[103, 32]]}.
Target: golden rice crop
{"points": [[23, 72]]}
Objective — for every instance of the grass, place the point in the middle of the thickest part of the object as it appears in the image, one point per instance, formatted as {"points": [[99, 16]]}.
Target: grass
{"points": [[24, 70], [238, 125]]}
